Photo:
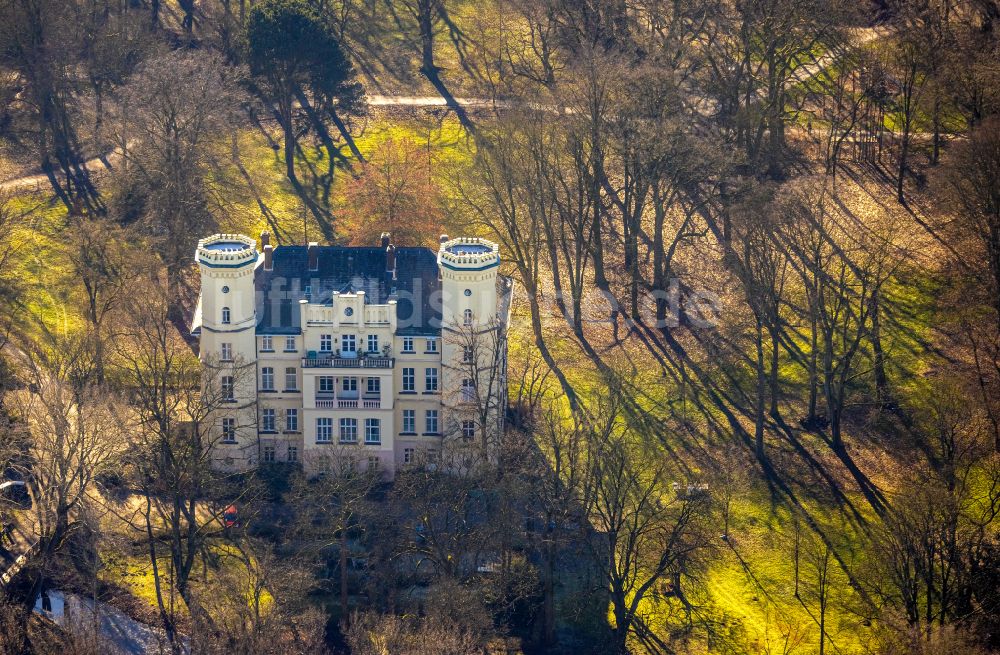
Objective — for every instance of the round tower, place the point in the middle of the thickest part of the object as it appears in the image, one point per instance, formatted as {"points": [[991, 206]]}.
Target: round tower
{"points": [[227, 264], [469, 330], [228, 345], [469, 268]]}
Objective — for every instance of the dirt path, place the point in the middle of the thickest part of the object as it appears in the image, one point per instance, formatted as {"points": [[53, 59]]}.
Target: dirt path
{"points": [[38, 182]]}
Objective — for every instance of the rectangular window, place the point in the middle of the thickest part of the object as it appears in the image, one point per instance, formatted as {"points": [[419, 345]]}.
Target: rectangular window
{"points": [[467, 354], [374, 386], [267, 419], [326, 384], [373, 431], [228, 430], [326, 343], [292, 420], [430, 379], [268, 454], [324, 430], [267, 378], [267, 342], [409, 421], [290, 344], [226, 353], [228, 391], [291, 380], [373, 343], [407, 344], [431, 421], [468, 391], [408, 455], [409, 384], [372, 464], [293, 453], [468, 429], [350, 385], [348, 430], [432, 345], [348, 343]]}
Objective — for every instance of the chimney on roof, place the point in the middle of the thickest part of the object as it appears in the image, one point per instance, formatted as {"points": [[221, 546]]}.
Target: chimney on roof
{"points": [[313, 250], [265, 239], [444, 237], [390, 260], [268, 256], [386, 239]]}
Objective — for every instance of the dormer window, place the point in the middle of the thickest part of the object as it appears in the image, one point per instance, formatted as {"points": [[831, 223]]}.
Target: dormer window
{"points": [[225, 316]]}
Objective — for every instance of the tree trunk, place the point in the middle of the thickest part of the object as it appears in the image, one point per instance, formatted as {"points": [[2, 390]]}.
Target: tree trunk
{"points": [[549, 601], [343, 572], [761, 387], [878, 355], [774, 371]]}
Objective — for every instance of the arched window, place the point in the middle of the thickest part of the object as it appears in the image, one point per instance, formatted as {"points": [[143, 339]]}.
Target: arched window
{"points": [[225, 316], [468, 317]]}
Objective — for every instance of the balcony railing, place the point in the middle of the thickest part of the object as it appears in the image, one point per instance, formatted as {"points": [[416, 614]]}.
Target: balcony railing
{"points": [[348, 403], [348, 362]]}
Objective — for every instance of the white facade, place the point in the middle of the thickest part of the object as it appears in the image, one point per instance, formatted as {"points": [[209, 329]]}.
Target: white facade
{"points": [[342, 374]]}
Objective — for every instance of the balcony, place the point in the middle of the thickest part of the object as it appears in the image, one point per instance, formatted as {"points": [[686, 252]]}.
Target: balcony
{"points": [[326, 402], [365, 361]]}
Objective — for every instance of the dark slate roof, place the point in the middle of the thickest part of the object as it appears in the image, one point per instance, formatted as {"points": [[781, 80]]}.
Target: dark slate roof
{"points": [[349, 269]]}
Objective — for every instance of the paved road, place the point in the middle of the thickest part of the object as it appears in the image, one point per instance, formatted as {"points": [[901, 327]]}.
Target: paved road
{"points": [[123, 633]]}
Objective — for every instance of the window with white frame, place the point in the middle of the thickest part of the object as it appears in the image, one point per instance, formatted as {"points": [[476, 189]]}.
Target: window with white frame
{"points": [[228, 430], [348, 430], [228, 389], [268, 456], [290, 344], [348, 343], [325, 383], [409, 421], [409, 384], [467, 317], [267, 343], [291, 379], [468, 429], [326, 343], [467, 354], [373, 343], [430, 379], [350, 385], [324, 430], [431, 346], [431, 421], [267, 378], [293, 453], [374, 386], [226, 352], [373, 463], [292, 419], [407, 344], [267, 419], [373, 431], [408, 455], [468, 391], [225, 316]]}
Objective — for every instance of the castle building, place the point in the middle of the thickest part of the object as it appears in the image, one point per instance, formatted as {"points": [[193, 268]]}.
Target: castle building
{"points": [[380, 353]]}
